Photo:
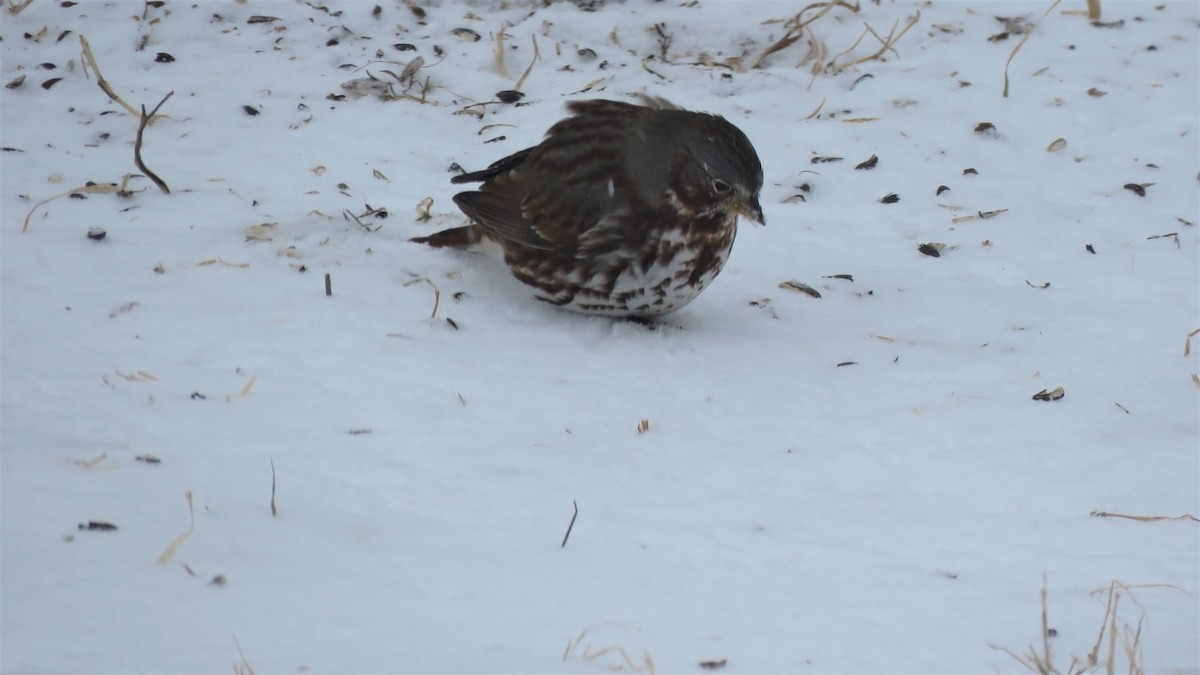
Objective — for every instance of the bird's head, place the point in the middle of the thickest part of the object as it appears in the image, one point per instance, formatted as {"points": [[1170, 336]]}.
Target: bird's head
{"points": [[726, 167]]}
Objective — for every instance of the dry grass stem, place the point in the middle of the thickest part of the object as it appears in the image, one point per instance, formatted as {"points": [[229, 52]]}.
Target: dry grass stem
{"points": [[1187, 344], [99, 187], [274, 511], [244, 667], [1020, 44], [795, 32], [1144, 519], [15, 7], [888, 44], [500, 69], [437, 293], [249, 385], [590, 655], [89, 61], [536, 57], [984, 215], [1093, 10], [170, 549]]}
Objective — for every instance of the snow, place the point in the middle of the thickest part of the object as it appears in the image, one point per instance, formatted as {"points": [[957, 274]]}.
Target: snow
{"points": [[779, 510]]}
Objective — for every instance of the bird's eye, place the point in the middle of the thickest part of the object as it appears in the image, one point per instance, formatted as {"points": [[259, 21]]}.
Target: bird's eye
{"points": [[720, 186]]}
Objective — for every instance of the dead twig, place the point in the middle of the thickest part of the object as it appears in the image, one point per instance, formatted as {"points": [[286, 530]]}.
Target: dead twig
{"points": [[137, 145], [571, 525]]}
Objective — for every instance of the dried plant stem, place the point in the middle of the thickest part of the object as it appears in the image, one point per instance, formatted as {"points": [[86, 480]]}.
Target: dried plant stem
{"points": [[170, 549], [892, 38], [137, 145], [1144, 519], [90, 61], [15, 7], [1093, 10], [1020, 44], [536, 57], [437, 293], [98, 187], [795, 31]]}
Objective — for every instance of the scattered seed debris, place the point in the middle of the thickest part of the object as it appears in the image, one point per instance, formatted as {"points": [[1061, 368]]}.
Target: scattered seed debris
{"points": [[844, 277], [890, 198], [1090, 249], [932, 249], [986, 128], [15, 83], [250, 110], [1058, 144], [970, 172], [197, 396], [1096, 92], [713, 664], [1055, 394], [509, 96], [1033, 285], [871, 163], [942, 188], [794, 285], [147, 459], [262, 19], [51, 82], [1137, 189], [843, 364], [163, 57], [97, 526], [96, 233], [466, 34], [218, 580], [643, 426], [358, 432], [825, 160]]}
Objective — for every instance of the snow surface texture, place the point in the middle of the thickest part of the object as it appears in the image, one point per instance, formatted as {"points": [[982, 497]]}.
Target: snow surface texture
{"points": [[856, 483]]}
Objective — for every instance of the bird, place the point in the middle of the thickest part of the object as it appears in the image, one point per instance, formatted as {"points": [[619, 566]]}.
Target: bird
{"points": [[624, 210]]}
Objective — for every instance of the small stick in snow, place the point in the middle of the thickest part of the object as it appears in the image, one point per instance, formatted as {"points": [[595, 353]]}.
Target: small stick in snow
{"points": [[572, 523], [137, 145], [273, 511], [1187, 344], [1144, 519], [328, 284]]}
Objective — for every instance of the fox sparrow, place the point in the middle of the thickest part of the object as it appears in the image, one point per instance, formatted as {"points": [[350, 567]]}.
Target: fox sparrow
{"points": [[623, 210]]}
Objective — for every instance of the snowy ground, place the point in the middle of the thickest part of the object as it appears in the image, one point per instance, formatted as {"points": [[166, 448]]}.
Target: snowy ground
{"points": [[856, 483]]}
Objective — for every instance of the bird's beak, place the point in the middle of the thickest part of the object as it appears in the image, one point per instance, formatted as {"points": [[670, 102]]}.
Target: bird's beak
{"points": [[751, 210]]}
